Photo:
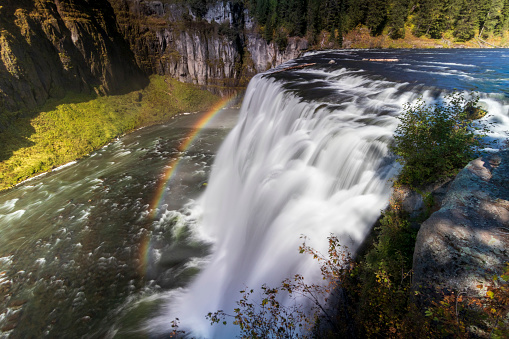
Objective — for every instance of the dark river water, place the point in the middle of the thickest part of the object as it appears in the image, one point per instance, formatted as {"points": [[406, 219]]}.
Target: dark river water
{"points": [[73, 243], [92, 250]]}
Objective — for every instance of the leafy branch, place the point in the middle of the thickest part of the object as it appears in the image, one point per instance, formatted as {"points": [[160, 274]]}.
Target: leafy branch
{"points": [[270, 317]]}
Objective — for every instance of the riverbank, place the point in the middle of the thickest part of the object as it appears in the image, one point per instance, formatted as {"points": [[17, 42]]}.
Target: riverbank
{"points": [[64, 130], [360, 38]]}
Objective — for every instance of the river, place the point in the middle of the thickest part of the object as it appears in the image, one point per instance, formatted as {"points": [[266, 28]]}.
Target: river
{"points": [[165, 222]]}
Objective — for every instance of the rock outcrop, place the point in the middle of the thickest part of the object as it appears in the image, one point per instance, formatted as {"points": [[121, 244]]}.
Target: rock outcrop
{"points": [[50, 47], [216, 46], [466, 242]]}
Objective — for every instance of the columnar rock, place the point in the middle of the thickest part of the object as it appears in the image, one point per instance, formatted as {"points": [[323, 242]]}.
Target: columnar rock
{"points": [[218, 46], [48, 47], [466, 242]]}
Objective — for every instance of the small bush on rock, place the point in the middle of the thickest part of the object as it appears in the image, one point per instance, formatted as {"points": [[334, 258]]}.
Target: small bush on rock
{"points": [[434, 141]]}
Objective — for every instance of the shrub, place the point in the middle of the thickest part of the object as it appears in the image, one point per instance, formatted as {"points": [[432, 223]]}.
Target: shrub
{"points": [[434, 141], [269, 317], [384, 297], [281, 39], [463, 315]]}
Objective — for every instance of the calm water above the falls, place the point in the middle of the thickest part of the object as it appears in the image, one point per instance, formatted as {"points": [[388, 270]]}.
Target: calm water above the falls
{"points": [[90, 251]]}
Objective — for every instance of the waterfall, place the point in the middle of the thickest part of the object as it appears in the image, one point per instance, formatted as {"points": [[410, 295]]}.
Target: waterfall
{"points": [[308, 157], [291, 167]]}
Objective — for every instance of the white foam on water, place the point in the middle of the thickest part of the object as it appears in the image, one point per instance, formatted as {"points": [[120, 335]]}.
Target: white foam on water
{"points": [[10, 217], [289, 168]]}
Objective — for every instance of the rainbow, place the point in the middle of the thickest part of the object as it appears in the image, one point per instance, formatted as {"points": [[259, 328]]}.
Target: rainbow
{"points": [[172, 168]]}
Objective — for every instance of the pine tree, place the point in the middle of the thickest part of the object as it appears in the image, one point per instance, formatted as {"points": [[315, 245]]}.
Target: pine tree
{"points": [[505, 17], [494, 21], [377, 16], [430, 19], [356, 13], [397, 17], [297, 17], [466, 22]]}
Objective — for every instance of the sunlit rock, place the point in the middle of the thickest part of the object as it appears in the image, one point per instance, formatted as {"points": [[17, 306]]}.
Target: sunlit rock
{"points": [[466, 242]]}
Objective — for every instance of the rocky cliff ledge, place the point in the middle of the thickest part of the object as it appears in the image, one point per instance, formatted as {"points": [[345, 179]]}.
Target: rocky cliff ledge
{"points": [[218, 45], [50, 47], [466, 242]]}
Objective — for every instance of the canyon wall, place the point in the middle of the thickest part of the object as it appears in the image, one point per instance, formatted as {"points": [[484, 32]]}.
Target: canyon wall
{"points": [[51, 47], [218, 47]]}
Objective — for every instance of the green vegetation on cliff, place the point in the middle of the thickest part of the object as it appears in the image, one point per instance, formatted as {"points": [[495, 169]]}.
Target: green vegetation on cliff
{"points": [[64, 130], [433, 142], [48, 48], [371, 296]]}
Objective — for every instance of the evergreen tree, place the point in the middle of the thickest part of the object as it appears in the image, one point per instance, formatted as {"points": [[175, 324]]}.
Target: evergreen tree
{"points": [[490, 16], [466, 22], [505, 17], [430, 19], [464, 18], [296, 17], [356, 13], [397, 17], [314, 20], [377, 16], [450, 11]]}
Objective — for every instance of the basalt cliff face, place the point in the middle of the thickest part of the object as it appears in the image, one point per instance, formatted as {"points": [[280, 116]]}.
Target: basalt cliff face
{"points": [[50, 47], [219, 46]]}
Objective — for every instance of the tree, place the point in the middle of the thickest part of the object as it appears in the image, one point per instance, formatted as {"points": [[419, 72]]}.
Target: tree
{"points": [[430, 19], [466, 22], [296, 18], [398, 13], [377, 16], [356, 13], [490, 16], [435, 141], [504, 23]]}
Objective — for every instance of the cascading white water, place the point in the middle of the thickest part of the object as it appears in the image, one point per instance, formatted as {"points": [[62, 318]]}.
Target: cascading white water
{"points": [[289, 168], [297, 163], [308, 157]]}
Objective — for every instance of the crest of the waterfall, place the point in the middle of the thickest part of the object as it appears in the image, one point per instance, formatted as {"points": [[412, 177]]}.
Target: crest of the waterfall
{"points": [[292, 166]]}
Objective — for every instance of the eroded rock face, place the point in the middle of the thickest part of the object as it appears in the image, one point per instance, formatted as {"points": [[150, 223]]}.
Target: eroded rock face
{"points": [[48, 47], [466, 242], [219, 47]]}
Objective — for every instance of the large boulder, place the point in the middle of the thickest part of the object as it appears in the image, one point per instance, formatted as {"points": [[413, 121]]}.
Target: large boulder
{"points": [[466, 242]]}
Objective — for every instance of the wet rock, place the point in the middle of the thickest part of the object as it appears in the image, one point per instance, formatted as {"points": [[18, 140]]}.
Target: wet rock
{"points": [[466, 242], [11, 321]]}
